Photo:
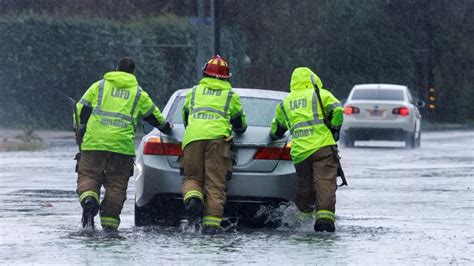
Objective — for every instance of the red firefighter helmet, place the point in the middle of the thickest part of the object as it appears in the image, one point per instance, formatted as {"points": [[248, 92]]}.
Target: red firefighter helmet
{"points": [[217, 67]]}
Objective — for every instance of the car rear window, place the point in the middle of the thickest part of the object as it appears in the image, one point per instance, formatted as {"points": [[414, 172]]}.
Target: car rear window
{"points": [[259, 111], [378, 94]]}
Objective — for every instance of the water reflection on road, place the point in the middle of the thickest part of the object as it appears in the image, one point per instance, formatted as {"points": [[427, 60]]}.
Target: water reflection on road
{"points": [[402, 206]]}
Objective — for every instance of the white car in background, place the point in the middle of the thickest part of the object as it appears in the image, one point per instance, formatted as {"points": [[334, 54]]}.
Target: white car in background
{"points": [[381, 112]]}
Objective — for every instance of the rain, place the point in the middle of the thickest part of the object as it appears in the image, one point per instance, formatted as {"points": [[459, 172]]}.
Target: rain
{"points": [[404, 204]]}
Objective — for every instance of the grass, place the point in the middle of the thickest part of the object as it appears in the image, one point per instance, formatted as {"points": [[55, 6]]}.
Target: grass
{"points": [[23, 146], [29, 141]]}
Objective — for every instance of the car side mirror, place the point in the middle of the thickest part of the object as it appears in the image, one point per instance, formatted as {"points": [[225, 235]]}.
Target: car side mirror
{"points": [[420, 104], [147, 128]]}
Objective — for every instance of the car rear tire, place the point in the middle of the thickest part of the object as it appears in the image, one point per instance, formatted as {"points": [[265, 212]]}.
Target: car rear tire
{"points": [[140, 216], [162, 210], [145, 216], [347, 141], [411, 140], [418, 141]]}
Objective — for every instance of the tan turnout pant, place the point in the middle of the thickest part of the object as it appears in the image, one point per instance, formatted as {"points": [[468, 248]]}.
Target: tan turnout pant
{"points": [[206, 163], [317, 182], [108, 169]]}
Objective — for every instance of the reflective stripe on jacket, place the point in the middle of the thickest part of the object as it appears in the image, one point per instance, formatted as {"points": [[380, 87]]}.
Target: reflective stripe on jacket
{"points": [[301, 114], [209, 109], [117, 103]]}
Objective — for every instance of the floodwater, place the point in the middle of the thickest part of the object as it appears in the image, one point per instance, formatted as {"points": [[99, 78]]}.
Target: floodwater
{"points": [[402, 206]]}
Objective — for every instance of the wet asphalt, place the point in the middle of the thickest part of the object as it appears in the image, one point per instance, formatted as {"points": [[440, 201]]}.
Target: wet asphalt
{"points": [[402, 206]]}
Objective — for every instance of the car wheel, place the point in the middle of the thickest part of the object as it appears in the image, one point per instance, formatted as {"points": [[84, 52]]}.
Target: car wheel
{"points": [[411, 140], [348, 141], [161, 210], [141, 216], [146, 215], [418, 141]]}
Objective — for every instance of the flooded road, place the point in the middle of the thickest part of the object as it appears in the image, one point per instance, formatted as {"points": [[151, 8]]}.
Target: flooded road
{"points": [[402, 206]]}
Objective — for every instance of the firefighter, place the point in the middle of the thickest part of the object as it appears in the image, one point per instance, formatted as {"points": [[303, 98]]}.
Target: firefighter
{"points": [[211, 111], [108, 113], [313, 144]]}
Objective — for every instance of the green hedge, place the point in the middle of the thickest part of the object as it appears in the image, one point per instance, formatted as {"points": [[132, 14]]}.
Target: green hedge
{"points": [[45, 59]]}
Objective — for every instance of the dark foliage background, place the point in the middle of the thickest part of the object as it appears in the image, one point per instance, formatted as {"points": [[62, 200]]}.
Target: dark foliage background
{"points": [[54, 48], [46, 59]]}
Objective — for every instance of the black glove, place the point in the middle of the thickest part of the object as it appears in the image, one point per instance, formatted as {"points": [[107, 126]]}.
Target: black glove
{"points": [[80, 136], [77, 158], [166, 128], [335, 133]]}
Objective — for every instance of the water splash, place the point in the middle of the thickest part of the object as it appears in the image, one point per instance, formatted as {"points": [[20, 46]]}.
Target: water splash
{"points": [[95, 234], [229, 224], [191, 227], [286, 215], [85, 232]]}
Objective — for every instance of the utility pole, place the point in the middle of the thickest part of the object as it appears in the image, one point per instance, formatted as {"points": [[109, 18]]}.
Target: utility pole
{"points": [[424, 60], [207, 41], [216, 26], [200, 39], [212, 12], [207, 32], [430, 87]]}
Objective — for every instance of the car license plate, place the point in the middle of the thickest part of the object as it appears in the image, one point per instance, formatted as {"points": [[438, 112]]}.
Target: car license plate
{"points": [[375, 112]]}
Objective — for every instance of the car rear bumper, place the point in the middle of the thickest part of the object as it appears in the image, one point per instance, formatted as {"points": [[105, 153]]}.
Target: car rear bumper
{"points": [[405, 124], [376, 133], [154, 176]]}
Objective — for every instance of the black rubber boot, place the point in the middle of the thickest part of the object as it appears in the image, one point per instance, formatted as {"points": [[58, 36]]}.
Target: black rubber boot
{"points": [[324, 225], [193, 210], [109, 229], [90, 208], [212, 230]]}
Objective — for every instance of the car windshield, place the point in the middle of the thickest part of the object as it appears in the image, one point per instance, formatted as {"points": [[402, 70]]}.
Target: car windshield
{"points": [[259, 111], [377, 94]]}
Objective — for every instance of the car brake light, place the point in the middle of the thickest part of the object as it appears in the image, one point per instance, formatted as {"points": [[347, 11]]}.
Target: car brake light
{"points": [[157, 146], [348, 110], [403, 111], [274, 153]]}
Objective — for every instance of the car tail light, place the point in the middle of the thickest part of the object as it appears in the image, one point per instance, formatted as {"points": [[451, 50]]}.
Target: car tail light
{"points": [[285, 155], [157, 146], [348, 110], [274, 153], [403, 111]]}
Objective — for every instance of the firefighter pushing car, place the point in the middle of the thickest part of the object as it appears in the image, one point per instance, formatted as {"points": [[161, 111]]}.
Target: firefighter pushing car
{"points": [[106, 117], [211, 112], [313, 147]]}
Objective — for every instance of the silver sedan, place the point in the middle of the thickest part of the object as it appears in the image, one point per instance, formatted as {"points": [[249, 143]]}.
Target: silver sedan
{"points": [[382, 112], [263, 173]]}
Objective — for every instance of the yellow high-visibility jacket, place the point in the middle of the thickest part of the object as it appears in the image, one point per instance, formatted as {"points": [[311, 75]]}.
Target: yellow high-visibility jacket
{"points": [[209, 111], [300, 113], [117, 103]]}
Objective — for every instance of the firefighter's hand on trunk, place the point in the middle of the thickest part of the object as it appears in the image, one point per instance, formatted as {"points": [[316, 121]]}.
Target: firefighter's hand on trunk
{"points": [[166, 128]]}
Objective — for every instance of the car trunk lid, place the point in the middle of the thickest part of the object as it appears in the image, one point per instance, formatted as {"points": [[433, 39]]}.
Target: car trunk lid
{"points": [[245, 147]]}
